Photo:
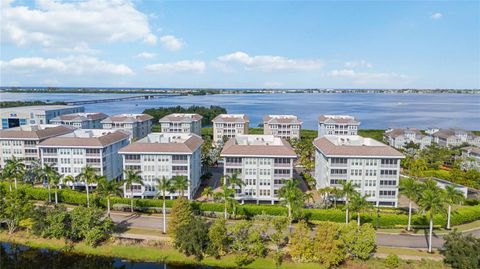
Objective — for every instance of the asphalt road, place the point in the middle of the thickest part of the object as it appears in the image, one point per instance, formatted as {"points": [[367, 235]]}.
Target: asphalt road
{"points": [[383, 239]]}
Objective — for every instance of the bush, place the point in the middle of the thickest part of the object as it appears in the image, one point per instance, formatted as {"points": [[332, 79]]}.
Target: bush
{"points": [[461, 251], [392, 261]]}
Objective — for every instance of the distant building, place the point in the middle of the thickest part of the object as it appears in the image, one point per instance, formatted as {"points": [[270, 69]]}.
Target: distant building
{"points": [[472, 156], [263, 162], [97, 148], [284, 126], [138, 125], [442, 183], [454, 137], [229, 125], [181, 123], [399, 138], [22, 142], [337, 125], [23, 115], [372, 166], [166, 155], [81, 120]]}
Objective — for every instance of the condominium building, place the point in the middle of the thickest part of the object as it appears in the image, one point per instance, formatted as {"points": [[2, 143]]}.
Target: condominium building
{"points": [[181, 123], [81, 120], [226, 126], [166, 155], [373, 167], [137, 125], [262, 162], [399, 138], [22, 142], [471, 157], [337, 125], [23, 115], [455, 137], [97, 148], [284, 126]]}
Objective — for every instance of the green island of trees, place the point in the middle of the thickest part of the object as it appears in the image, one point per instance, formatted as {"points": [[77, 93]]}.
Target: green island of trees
{"points": [[208, 113]]}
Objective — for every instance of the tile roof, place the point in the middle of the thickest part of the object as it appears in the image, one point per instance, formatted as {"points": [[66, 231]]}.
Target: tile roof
{"points": [[398, 132], [190, 145], [338, 119], [470, 149], [127, 118], [240, 118], [80, 117], [446, 133], [233, 148], [181, 117], [75, 141], [272, 119], [328, 148], [40, 134]]}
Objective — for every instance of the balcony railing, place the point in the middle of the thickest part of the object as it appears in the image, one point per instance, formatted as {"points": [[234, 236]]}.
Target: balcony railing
{"points": [[233, 164], [179, 161], [131, 160], [281, 164], [388, 165], [339, 165], [281, 175]]}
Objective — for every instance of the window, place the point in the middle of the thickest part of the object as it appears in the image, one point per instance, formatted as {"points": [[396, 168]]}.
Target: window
{"points": [[389, 161], [338, 171], [339, 160], [388, 172], [388, 182]]}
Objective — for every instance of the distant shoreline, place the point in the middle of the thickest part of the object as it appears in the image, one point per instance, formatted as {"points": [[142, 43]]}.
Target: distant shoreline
{"points": [[198, 91]]}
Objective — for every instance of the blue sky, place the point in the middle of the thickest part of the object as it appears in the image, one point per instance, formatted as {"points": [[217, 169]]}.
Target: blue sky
{"points": [[314, 44]]}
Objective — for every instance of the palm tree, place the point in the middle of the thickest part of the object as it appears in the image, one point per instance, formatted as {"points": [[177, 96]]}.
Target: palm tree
{"points": [[163, 185], [207, 192], [431, 202], [348, 190], [14, 169], [179, 184], [336, 192], [108, 189], [410, 188], [234, 181], [308, 197], [360, 204], [429, 184], [131, 177], [291, 196], [55, 179], [48, 173], [225, 195], [88, 175], [452, 196], [417, 167], [325, 193]]}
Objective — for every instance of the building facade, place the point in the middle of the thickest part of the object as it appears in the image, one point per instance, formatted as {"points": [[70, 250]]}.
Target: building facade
{"points": [[98, 148], [471, 157], [181, 123], [226, 126], [262, 162], [166, 155], [372, 166], [454, 137], [399, 138], [81, 120], [22, 142], [337, 125], [29, 115], [137, 125], [284, 126]]}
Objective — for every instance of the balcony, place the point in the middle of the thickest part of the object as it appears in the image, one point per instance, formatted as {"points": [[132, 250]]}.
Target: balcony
{"points": [[281, 175], [233, 164], [179, 161], [342, 176], [338, 164], [388, 186], [93, 154], [179, 172], [282, 164], [131, 160], [388, 165]]}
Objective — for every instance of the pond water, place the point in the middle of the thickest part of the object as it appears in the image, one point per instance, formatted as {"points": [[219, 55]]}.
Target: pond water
{"points": [[15, 256]]}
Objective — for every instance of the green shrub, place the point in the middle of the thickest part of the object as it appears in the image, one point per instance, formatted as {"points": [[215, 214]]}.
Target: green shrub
{"points": [[392, 261]]}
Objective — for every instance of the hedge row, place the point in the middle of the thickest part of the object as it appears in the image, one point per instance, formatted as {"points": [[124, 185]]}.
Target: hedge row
{"points": [[462, 215]]}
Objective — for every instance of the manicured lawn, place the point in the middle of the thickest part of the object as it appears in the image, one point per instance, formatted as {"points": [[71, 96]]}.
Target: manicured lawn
{"points": [[407, 251]]}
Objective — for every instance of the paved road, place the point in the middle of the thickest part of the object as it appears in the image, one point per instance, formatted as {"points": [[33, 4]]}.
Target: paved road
{"points": [[383, 239]]}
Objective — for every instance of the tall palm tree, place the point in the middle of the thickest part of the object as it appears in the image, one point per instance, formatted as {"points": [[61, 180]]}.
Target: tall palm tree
{"points": [[88, 175], [207, 192], [431, 202], [411, 189], [417, 167], [360, 204], [55, 179], [108, 189], [348, 190], [325, 193], [131, 178], [225, 195], [14, 169], [48, 173], [335, 192], [452, 196], [429, 184], [179, 184], [163, 185], [291, 196], [234, 181]]}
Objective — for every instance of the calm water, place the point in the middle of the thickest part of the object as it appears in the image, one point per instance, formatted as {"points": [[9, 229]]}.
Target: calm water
{"points": [[376, 111], [22, 257]]}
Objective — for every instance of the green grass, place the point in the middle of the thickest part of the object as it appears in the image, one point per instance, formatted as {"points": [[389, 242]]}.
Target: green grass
{"points": [[407, 251]]}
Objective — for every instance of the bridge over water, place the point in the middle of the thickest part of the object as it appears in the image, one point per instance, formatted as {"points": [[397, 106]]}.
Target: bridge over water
{"points": [[119, 99]]}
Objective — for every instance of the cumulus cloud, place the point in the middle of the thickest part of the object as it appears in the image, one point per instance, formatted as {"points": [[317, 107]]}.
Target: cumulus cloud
{"points": [[361, 63], [436, 16], [171, 42], [180, 66], [364, 78], [270, 63], [67, 24], [146, 55], [76, 65]]}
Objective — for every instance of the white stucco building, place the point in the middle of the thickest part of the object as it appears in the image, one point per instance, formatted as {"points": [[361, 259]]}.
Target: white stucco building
{"points": [[166, 155], [263, 162], [29, 115], [337, 125], [284, 126], [398, 138], [372, 166], [454, 137], [138, 125], [181, 123], [81, 120], [228, 126]]}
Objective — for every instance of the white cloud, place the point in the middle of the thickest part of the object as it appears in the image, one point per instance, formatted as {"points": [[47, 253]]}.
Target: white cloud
{"points": [[436, 16], [270, 63], [146, 55], [364, 78], [67, 24], [180, 66], [170, 42], [76, 65], [361, 63]]}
